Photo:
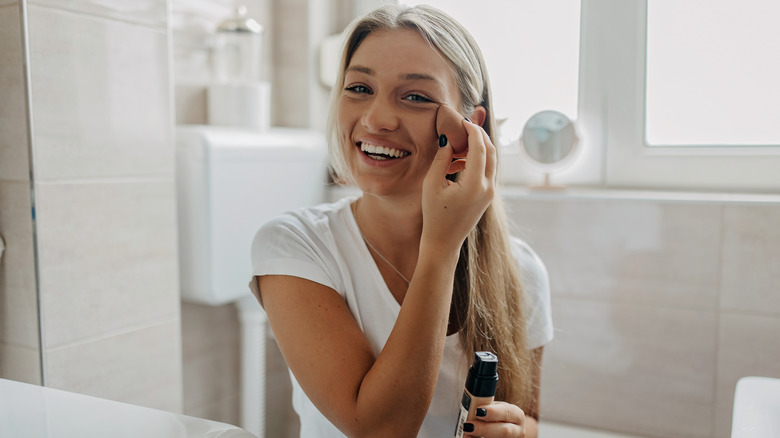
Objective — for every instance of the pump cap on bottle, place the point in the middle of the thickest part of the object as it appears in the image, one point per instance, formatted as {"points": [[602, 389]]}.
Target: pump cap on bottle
{"points": [[483, 375]]}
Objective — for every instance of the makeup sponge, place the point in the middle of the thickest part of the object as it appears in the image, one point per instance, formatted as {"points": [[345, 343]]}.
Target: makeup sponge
{"points": [[450, 123]]}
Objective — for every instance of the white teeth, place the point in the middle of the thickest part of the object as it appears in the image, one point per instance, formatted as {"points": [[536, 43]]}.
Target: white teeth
{"points": [[374, 149]]}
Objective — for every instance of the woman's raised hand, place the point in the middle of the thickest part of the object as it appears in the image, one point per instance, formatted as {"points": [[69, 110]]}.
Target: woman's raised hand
{"points": [[452, 209]]}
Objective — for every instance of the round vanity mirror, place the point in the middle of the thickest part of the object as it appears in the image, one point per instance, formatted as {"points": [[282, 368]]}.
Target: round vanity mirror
{"points": [[549, 140]]}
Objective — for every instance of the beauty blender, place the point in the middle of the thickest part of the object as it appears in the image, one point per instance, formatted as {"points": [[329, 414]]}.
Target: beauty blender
{"points": [[450, 123]]}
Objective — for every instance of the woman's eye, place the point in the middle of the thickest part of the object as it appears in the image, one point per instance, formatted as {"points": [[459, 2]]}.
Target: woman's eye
{"points": [[360, 89], [417, 98]]}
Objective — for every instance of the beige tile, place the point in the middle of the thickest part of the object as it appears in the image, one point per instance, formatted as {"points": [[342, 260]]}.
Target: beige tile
{"points": [[211, 376], [14, 163], [140, 366], [206, 328], [101, 98], [624, 367], [281, 421], [22, 364], [751, 259], [18, 295], [191, 104], [211, 341], [628, 251], [149, 12], [747, 346], [108, 259]]}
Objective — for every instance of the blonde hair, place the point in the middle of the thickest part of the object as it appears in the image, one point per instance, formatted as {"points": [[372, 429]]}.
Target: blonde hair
{"points": [[488, 296]]}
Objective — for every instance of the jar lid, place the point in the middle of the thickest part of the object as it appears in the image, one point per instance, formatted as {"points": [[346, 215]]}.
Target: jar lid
{"points": [[240, 22]]}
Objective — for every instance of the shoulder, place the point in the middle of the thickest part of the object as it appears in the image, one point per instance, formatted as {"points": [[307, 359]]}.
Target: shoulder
{"points": [[532, 268], [307, 222], [536, 293]]}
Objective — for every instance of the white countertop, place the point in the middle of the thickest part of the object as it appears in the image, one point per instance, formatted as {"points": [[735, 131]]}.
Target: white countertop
{"points": [[32, 411]]}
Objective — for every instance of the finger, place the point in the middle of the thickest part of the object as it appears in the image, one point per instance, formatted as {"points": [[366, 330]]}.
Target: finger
{"points": [[475, 166], [502, 412], [490, 156], [487, 430], [456, 166]]}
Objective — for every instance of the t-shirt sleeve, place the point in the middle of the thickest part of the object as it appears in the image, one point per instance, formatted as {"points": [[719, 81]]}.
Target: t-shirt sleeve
{"points": [[288, 245], [536, 287]]}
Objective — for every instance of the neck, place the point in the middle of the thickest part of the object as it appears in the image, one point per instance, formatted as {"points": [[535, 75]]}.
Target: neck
{"points": [[393, 226]]}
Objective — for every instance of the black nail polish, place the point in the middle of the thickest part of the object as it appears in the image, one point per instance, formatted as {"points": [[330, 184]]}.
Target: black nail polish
{"points": [[467, 119], [468, 427], [481, 412], [442, 141]]}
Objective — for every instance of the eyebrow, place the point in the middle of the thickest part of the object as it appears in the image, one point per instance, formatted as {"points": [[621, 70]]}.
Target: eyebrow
{"points": [[406, 76]]}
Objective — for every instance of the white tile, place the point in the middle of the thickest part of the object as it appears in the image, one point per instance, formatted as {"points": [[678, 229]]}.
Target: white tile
{"points": [[150, 12], [21, 364], [14, 163], [635, 252], [140, 367], [18, 296], [108, 259], [751, 259], [747, 346], [101, 97], [624, 367]]}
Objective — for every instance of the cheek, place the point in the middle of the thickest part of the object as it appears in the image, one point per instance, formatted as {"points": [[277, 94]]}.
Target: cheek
{"points": [[425, 134]]}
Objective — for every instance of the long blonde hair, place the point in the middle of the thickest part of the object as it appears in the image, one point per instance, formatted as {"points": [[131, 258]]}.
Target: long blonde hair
{"points": [[488, 295]]}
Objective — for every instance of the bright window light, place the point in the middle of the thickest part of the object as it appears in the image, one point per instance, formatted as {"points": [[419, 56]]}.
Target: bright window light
{"points": [[713, 72], [532, 53]]}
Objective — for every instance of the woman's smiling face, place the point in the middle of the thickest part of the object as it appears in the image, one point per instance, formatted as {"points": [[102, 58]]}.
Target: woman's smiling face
{"points": [[393, 86]]}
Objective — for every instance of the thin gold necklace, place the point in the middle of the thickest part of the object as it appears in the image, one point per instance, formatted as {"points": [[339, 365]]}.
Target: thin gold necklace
{"points": [[354, 213]]}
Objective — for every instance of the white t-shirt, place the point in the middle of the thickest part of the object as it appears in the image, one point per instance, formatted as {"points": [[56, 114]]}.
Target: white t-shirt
{"points": [[323, 244]]}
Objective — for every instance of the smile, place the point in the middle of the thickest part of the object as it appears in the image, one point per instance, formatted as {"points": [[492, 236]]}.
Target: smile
{"points": [[381, 152]]}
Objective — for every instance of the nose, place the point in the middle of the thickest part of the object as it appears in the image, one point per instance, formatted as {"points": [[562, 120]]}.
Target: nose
{"points": [[380, 115]]}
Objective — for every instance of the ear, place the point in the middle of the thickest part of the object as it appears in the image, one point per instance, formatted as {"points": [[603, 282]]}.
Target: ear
{"points": [[479, 115]]}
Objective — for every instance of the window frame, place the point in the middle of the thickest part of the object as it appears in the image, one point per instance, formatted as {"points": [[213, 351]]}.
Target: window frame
{"points": [[628, 160]]}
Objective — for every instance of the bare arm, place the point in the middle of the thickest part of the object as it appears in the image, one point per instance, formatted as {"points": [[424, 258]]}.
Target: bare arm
{"points": [[332, 360]]}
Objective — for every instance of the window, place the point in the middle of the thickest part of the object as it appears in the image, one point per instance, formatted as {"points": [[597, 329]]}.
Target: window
{"points": [[712, 73], [672, 94]]}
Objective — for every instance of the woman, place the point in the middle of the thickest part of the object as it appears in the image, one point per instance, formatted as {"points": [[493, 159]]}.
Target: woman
{"points": [[379, 302]]}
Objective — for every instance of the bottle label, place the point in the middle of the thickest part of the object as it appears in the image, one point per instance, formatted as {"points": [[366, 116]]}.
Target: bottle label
{"points": [[465, 404]]}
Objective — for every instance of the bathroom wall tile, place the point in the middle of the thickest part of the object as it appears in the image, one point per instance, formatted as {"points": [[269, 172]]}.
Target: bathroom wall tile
{"points": [[140, 366], [291, 79], [205, 328], [747, 346], [101, 98], [211, 348], [22, 364], [191, 105], [281, 419], [14, 164], [633, 369], [210, 377], [657, 253], [109, 257], [149, 12], [18, 296], [751, 259]]}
